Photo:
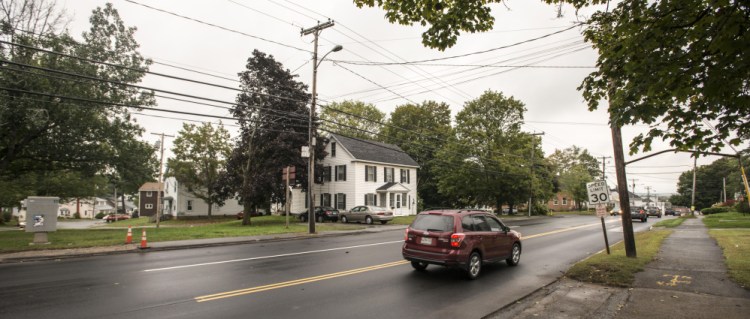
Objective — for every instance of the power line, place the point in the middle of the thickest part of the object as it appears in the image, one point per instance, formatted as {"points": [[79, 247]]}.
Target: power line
{"points": [[217, 26]]}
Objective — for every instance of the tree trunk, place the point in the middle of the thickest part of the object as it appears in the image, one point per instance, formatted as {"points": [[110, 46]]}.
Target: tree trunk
{"points": [[210, 208]]}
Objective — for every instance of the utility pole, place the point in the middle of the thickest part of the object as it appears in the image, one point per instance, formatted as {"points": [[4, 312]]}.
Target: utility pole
{"points": [[622, 189], [161, 176], [648, 195], [633, 201], [724, 184], [604, 161], [692, 197], [311, 134], [531, 180]]}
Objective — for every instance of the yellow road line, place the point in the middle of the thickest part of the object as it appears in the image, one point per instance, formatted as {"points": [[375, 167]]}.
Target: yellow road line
{"points": [[246, 291]]}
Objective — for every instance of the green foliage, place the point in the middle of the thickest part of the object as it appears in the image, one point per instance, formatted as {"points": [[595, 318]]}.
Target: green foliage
{"points": [[100, 215], [421, 130], [742, 207], [76, 215], [709, 182], [573, 182], [59, 146], [715, 210], [272, 113], [352, 119], [489, 155], [200, 155], [663, 63]]}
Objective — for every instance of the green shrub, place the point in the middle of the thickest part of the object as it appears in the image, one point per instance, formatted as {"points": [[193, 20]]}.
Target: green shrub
{"points": [[742, 207], [77, 215], [100, 215], [7, 216], [715, 210]]}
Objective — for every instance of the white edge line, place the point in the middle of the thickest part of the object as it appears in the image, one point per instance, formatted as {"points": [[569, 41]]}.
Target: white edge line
{"points": [[273, 256]]}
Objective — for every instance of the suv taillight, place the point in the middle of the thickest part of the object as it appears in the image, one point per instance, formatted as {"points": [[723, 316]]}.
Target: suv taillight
{"points": [[456, 239], [407, 236]]}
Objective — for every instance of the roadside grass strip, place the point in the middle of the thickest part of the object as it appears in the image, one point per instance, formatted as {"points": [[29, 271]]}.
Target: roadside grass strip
{"points": [[735, 243], [618, 270], [727, 220], [670, 223], [240, 292]]}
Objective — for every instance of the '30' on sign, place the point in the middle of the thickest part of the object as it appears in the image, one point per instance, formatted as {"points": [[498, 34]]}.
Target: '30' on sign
{"points": [[598, 192]]}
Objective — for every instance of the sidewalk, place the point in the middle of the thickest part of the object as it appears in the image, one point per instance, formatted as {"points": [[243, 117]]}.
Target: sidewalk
{"points": [[688, 279]]}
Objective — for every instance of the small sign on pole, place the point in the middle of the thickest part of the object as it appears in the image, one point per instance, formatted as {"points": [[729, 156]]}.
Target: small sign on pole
{"points": [[305, 152], [598, 192]]}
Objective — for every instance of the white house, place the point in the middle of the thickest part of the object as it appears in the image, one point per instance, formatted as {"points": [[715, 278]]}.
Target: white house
{"points": [[361, 172], [635, 200], [178, 201], [86, 207]]}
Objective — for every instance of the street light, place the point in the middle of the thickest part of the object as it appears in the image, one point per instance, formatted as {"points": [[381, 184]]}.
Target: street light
{"points": [[311, 136]]}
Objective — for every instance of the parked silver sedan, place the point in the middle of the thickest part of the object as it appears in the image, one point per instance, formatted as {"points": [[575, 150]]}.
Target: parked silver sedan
{"points": [[367, 214]]}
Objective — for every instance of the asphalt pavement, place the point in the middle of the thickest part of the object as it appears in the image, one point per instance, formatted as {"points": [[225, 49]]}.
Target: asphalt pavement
{"points": [[688, 279]]}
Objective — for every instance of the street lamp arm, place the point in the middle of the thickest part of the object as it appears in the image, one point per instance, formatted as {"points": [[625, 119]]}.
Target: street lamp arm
{"points": [[337, 48]]}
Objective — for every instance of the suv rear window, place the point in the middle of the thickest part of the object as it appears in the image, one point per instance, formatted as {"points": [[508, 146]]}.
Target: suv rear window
{"points": [[433, 223]]}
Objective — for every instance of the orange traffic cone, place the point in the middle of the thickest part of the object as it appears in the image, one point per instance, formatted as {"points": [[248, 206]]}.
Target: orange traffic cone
{"points": [[129, 238], [144, 244]]}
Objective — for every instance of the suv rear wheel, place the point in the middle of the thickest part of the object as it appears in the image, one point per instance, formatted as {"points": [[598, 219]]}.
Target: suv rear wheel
{"points": [[474, 267], [418, 265]]}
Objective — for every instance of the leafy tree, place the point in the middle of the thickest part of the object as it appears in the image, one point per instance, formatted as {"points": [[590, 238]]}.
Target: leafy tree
{"points": [[55, 127], [564, 160], [486, 162], [573, 181], [421, 130], [666, 62], [353, 119], [200, 155], [273, 116], [709, 183]]}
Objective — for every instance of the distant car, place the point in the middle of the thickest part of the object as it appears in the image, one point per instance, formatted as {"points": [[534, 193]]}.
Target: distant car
{"points": [[241, 215], [653, 211], [615, 211], [322, 214], [115, 217], [367, 214], [463, 239], [637, 212], [670, 212]]}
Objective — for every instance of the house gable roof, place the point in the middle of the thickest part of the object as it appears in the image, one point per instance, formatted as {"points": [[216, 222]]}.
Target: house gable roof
{"points": [[149, 187], [372, 151], [392, 187]]}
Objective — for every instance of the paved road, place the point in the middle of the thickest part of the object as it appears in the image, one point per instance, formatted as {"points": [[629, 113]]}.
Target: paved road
{"points": [[332, 277]]}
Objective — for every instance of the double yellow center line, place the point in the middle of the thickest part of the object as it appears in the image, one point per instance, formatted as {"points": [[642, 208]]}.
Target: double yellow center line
{"points": [[247, 291]]}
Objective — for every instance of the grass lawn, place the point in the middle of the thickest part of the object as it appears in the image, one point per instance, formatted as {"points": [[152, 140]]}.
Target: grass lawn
{"points": [[403, 220], [616, 269], [727, 220], [735, 243], [11, 241], [669, 223]]}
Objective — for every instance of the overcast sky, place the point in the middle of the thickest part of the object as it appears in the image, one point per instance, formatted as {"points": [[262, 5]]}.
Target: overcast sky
{"points": [[554, 65]]}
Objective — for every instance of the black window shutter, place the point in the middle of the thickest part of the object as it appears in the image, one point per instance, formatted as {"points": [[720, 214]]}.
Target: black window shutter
{"points": [[367, 173], [343, 201], [408, 176], [336, 173], [344, 167], [375, 173], [365, 199]]}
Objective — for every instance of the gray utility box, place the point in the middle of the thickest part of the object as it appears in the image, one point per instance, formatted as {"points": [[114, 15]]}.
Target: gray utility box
{"points": [[41, 214]]}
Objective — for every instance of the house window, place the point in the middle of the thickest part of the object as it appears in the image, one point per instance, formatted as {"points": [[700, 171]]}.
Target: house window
{"points": [[398, 200], [404, 178], [149, 194], [371, 173], [393, 196], [325, 199], [175, 186], [388, 173], [149, 206], [371, 199], [555, 202], [341, 172], [565, 201], [340, 201], [333, 149], [190, 205], [327, 174]]}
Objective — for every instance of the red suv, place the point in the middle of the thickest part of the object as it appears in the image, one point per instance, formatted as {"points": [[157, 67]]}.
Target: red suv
{"points": [[461, 239]]}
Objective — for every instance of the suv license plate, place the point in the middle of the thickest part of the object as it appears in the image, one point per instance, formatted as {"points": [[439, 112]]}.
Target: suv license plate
{"points": [[426, 241]]}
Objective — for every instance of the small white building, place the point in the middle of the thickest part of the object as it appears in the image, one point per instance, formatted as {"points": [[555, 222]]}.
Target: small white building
{"points": [[362, 172], [178, 201], [87, 207]]}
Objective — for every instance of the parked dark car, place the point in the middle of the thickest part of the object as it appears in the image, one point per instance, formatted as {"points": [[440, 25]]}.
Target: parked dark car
{"points": [[367, 214], [464, 239], [670, 212], [322, 214], [653, 211], [637, 212]]}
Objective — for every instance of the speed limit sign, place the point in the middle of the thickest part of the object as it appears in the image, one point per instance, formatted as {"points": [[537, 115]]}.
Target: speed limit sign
{"points": [[598, 192]]}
